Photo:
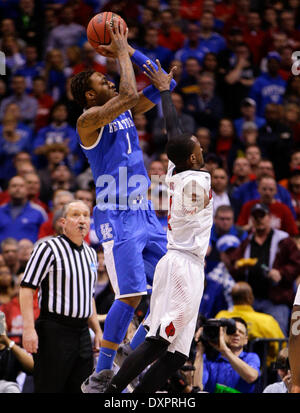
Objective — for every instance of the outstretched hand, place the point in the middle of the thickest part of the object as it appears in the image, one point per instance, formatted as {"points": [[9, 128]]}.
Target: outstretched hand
{"points": [[158, 78]]}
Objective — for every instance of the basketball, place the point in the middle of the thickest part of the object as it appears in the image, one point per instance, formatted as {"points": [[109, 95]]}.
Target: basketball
{"points": [[97, 32]]}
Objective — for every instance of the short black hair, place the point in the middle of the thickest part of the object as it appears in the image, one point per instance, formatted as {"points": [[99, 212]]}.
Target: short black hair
{"points": [[80, 84], [242, 321], [180, 148]]}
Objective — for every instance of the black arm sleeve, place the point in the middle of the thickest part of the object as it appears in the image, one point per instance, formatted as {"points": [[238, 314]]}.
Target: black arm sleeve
{"points": [[173, 126]]}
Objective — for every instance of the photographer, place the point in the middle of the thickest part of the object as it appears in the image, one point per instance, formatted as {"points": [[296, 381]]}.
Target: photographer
{"points": [[13, 360], [283, 369], [232, 370]]}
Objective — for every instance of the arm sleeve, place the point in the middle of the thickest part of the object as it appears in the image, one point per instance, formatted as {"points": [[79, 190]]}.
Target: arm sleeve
{"points": [[171, 118]]}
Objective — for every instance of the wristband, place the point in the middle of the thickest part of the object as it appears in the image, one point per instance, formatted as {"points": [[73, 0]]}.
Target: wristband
{"points": [[11, 344]]}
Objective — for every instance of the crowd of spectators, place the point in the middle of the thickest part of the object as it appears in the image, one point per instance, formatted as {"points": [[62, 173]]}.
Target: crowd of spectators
{"points": [[235, 91]]}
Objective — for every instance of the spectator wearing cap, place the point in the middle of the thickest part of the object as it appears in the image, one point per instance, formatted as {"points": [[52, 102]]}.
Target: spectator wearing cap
{"points": [[220, 274], [272, 269], [223, 225], [248, 112], [260, 325], [276, 141], [269, 87], [281, 216], [249, 134], [249, 190]]}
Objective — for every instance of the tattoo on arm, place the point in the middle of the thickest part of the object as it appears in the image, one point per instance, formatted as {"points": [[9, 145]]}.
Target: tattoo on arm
{"points": [[88, 118], [98, 116]]}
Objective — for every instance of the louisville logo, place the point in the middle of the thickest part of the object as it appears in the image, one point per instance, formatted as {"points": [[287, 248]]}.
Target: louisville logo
{"points": [[170, 330]]}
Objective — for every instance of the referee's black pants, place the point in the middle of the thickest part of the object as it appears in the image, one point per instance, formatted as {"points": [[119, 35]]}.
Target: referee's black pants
{"points": [[64, 358]]}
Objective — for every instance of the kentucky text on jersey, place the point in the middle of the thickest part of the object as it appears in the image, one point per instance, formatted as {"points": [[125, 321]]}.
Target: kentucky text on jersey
{"points": [[117, 164], [120, 124]]}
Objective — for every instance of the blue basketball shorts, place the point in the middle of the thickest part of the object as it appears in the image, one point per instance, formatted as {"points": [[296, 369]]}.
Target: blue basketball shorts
{"points": [[133, 242]]}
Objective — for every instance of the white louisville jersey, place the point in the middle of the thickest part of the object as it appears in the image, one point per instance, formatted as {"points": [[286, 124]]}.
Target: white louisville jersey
{"points": [[189, 219]]}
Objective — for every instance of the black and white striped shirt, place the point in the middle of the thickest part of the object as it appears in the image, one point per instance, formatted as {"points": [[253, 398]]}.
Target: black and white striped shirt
{"points": [[65, 274]]}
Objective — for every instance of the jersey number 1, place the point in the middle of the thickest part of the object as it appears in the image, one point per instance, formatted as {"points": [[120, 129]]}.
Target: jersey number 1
{"points": [[129, 144]]}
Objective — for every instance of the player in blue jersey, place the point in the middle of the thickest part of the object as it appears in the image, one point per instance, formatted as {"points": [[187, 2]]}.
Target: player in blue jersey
{"points": [[126, 225]]}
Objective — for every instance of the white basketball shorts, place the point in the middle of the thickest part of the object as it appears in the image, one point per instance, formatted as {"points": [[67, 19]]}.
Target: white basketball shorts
{"points": [[176, 295]]}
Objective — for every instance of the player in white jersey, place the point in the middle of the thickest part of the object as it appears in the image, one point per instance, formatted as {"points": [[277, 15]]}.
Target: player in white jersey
{"points": [[179, 276]]}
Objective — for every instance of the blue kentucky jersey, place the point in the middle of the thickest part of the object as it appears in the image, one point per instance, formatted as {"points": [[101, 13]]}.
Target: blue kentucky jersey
{"points": [[117, 165]]}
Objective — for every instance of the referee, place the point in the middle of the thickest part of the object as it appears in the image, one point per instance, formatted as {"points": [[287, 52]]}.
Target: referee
{"points": [[64, 268]]}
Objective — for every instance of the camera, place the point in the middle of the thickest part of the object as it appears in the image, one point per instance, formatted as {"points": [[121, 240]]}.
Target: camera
{"points": [[211, 329]]}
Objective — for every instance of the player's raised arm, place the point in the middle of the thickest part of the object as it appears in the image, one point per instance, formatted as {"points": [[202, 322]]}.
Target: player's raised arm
{"points": [[99, 115], [150, 96], [161, 81]]}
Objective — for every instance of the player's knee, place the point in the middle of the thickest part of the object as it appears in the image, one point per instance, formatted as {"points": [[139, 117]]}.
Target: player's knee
{"points": [[132, 301]]}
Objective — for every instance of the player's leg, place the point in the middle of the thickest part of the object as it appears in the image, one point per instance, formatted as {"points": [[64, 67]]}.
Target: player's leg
{"points": [[160, 371], [190, 290], [125, 349], [170, 310], [115, 328], [154, 250], [147, 352], [125, 267]]}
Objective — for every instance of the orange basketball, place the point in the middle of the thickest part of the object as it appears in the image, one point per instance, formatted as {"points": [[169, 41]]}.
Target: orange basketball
{"points": [[97, 32]]}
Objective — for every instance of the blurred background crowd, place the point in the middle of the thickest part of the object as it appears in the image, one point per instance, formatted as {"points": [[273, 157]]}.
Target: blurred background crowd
{"points": [[236, 91]]}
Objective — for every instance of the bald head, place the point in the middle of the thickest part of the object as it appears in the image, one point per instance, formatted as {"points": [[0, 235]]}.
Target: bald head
{"points": [[242, 293]]}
